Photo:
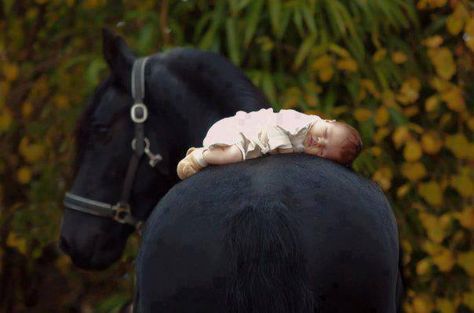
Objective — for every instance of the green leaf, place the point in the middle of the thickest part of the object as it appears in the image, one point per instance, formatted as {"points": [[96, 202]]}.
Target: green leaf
{"points": [[304, 50], [252, 20], [145, 38], [7, 4], [93, 71], [243, 4], [233, 7], [298, 21], [210, 38], [337, 24], [398, 118], [232, 41], [269, 88], [309, 20], [201, 24], [328, 101], [367, 130], [274, 7]]}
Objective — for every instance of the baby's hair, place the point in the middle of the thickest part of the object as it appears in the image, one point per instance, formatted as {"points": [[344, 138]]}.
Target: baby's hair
{"points": [[351, 146]]}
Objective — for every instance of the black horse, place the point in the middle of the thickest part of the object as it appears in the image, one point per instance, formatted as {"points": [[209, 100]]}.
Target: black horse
{"points": [[286, 233], [186, 92], [282, 233]]}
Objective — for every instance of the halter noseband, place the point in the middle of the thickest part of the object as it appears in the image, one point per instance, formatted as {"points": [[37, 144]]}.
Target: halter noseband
{"points": [[121, 211]]}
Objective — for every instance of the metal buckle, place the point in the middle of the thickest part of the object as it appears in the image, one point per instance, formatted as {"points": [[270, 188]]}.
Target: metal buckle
{"points": [[121, 212], [145, 140], [135, 114]]}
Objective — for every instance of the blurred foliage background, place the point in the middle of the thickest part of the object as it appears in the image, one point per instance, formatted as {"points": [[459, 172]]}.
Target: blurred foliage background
{"points": [[400, 71]]}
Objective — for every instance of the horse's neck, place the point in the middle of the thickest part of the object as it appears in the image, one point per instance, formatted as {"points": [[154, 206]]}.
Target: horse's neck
{"points": [[193, 101]]}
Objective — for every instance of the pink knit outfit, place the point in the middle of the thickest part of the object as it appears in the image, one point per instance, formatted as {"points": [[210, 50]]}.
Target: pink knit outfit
{"points": [[260, 132]]}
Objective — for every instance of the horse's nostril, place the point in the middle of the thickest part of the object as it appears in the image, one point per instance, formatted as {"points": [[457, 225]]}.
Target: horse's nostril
{"points": [[63, 245]]}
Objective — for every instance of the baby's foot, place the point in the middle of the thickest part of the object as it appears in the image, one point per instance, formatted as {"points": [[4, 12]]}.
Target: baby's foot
{"points": [[192, 163]]}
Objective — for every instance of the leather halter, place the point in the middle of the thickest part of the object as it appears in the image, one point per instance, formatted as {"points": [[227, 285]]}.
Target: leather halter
{"points": [[121, 211]]}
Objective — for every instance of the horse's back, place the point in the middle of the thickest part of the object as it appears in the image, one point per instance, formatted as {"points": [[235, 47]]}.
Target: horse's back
{"points": [[274, 231]]}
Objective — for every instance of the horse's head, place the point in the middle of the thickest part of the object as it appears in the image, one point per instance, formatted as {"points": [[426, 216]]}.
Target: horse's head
{"points": [[186, 91], [110, 175]]}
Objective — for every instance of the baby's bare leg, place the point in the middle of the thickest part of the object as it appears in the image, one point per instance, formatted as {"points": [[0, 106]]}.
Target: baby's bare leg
{"points": [[223, 155]]}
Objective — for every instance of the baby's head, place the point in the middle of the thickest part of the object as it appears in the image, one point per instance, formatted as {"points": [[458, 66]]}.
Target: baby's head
{"points": [[333, 140]]}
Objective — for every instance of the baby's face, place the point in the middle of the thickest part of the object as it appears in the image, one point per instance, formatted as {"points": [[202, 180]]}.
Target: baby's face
{"points": [[324, 139]]}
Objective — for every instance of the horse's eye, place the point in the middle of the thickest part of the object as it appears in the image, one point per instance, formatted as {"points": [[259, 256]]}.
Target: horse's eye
{"points": [[101, 133], [100, 129]]}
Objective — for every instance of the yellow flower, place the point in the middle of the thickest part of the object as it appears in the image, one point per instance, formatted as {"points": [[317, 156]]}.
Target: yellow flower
{"points": [[466, 261], [413, 171], [311, 100], [403, 190], [411, 111], [464, 184], [444, 260], [379, 55], [433, 42], [441, 85], [26, 109], [470, 123], [322, 62], [326, 74], [469, 34], [466, 217], [24, 175], [436, 228], [362, 114], [399, 57], [423, 267], [468, 299], [376, 151], [380, 134], [5, 119], [347, 64], [10, 71], [444, 305], [455, 21], [422, 304], [454, 99], [388, 98], [412, 151], [15, 241], [400, 136], [381, 116], [431, 192], [369, 85], [432, 104], [443, 62], [431, 142], [457, 144], [383, 176], [61, 102], [31, 152], [409, 91]]}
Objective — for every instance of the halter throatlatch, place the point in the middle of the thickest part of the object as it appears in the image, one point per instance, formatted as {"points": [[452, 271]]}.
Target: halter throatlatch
{"points": [[121, 211]]}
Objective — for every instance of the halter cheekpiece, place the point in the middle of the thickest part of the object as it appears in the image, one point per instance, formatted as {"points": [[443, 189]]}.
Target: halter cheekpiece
{"points": [[121, 211]]}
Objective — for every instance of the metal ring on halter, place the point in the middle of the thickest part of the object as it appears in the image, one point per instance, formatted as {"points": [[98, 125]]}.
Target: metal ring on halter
{"points": [[136, 116], [147, 143], [121, 212]]}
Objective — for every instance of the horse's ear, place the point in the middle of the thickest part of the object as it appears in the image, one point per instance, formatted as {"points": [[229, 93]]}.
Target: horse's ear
{"points": [[118, 56]]}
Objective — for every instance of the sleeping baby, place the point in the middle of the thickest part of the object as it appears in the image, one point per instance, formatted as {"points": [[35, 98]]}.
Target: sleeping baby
{"points": [[248, 135]]}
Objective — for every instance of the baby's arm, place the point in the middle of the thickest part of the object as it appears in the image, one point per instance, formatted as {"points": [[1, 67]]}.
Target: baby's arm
{"points": [[223, 155]]}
